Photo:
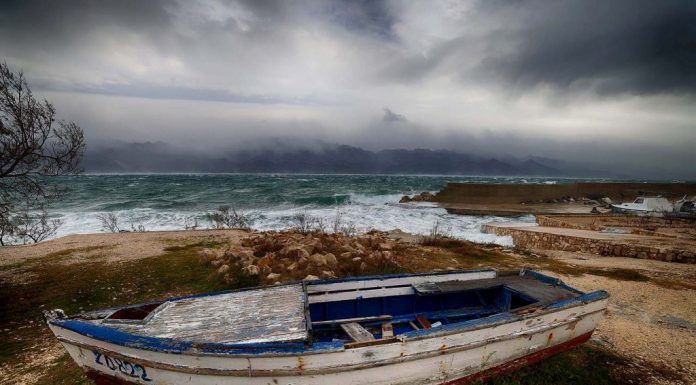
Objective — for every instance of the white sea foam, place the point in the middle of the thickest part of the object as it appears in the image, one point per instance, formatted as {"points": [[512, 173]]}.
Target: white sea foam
{"points": [[365, 212]]}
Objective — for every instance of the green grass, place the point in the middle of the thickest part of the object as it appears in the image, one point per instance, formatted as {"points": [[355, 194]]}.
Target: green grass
{"points": [[92, 285], [579, 366]]}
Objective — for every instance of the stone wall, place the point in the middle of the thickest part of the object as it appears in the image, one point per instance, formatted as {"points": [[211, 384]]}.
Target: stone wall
{"points": [[546, 241], [597, 222], [553, 221], [484, 193]]}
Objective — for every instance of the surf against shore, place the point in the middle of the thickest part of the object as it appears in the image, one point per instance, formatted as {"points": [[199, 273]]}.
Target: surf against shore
{"points": [[167, 202]]}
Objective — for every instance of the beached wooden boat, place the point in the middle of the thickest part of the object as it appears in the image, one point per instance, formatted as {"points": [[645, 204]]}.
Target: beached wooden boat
{"points": [[452, 327]]}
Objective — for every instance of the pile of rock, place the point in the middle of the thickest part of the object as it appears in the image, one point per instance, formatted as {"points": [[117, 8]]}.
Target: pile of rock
{"points": [[274, 257], [422, 197]]}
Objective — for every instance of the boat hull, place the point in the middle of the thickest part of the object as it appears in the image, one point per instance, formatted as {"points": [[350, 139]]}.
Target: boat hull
{"points": [[100, 378], [449, 358]]}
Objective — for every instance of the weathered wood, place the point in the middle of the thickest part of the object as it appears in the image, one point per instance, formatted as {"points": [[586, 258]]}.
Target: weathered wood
{"points": [[357, 332], [357, 319], [542, 292], [321, 288], [351, 295], [387, 330], [381, 341], [424, 323], [252, 316]]}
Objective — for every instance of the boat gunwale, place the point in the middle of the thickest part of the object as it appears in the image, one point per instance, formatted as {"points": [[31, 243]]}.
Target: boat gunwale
{"points": [[174, 346], [328, 370]]}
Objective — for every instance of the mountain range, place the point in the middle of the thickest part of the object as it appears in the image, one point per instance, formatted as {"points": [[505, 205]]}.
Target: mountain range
{"points": [[326, 158]]}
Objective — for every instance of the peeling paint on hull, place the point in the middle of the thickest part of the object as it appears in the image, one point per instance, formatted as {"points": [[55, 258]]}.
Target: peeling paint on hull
{"points": [[454, 353], [521, 362], [531, 359]]}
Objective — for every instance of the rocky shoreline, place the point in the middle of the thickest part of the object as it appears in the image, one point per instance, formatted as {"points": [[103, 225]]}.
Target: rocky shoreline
{"points": [[275, 257]]}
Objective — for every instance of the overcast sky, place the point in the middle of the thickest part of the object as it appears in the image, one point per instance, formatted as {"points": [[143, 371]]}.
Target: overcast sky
{"points": [[612, 82]]}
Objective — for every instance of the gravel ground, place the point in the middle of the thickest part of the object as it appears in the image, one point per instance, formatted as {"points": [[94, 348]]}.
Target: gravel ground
{"points": [[646, 322]]}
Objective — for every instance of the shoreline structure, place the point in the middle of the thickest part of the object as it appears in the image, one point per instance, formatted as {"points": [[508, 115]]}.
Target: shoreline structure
{"points": [[565, 220], [520, 199]]}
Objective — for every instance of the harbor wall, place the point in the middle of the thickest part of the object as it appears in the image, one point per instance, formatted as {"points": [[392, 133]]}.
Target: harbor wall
{"points": [[596, 222], [548, 241], [483, 193]]}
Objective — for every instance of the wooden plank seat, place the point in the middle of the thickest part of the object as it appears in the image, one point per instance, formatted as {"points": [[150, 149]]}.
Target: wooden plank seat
{"points": [[356, 332], [378, 318], [387, 330], [443, 315], [424, 323]]}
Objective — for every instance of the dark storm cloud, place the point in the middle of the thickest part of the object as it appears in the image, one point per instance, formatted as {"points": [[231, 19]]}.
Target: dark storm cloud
{"points": [[611, 47], [508, 77], [631, 46], [392, 117], [155, 91], [45, 22], [371, 17]]}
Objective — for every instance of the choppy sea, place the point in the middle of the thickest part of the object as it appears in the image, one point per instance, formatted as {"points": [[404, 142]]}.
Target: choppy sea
{"points": [[167, 202]]}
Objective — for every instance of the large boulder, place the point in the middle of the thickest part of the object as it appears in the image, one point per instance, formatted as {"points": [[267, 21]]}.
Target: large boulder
{"points": [[331, 259], [294, 251], [318, 259], [224, 269], [328, 274], [265, 261]]}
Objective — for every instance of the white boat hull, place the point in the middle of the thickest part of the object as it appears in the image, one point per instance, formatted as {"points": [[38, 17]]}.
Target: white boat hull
{"points": [[454, 357]]}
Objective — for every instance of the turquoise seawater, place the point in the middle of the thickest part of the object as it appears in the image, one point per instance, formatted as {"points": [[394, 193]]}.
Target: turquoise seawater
{"points": [[167, 202]]}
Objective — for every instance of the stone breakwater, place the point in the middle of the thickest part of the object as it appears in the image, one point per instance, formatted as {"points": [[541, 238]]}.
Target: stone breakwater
{"points": [[598, 222], [532, 238], [274, 257], [484, 193]]}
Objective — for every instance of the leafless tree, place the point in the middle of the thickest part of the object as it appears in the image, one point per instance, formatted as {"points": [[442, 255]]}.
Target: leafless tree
{"points": [[7, 229], [35, 226], [337, 222], [109, 222], [227, 217], [338, 226], [303, 222], [33, 147], [437, 232], [190, 223], [137, 227]]}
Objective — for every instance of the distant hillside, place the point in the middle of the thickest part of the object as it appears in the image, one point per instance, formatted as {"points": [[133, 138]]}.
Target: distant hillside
{"points": [[160, 157]]}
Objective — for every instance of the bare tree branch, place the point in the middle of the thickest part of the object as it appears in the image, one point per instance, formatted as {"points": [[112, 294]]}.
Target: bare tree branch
{"points": [[33, 146]]}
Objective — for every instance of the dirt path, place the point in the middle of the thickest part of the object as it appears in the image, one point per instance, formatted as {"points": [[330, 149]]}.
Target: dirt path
{"points": [[647, 322], [114, 247]]}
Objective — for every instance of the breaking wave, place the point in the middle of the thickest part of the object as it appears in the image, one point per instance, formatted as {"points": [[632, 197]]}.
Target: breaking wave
{"points": [[166, 202]]}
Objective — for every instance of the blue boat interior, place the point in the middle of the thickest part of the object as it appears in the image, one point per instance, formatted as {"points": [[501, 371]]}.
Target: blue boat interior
{"points": [[430, 306], [407, 311], [323, 315]]}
